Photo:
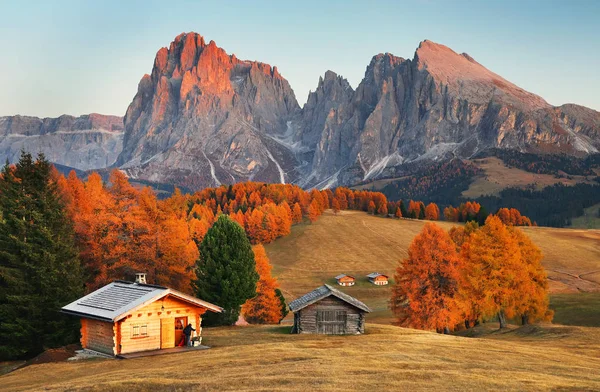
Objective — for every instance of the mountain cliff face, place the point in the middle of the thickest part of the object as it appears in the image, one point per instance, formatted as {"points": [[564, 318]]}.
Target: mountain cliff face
{"points": [[438, 105], [204, 117], [87, 142]]}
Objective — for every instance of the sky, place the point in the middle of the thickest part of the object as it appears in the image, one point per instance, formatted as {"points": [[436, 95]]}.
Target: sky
{"points": [[78, 57]]}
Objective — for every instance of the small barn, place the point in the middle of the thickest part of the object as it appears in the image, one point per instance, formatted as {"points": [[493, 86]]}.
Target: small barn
{"points": [[126, 317], [326, 310], [378, 279], [345, 280]]}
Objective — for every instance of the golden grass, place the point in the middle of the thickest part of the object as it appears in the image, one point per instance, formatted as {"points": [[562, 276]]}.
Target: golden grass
{"points": [[541, 357], [385, 358], [498, 177]]}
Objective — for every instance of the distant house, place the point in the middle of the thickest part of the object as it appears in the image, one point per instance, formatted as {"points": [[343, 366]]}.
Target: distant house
{"points": [[127, 317], [326, 310], [345, 280], [378, 279]]}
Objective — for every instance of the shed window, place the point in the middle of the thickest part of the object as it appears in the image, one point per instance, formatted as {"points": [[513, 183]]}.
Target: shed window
{"points": [[139, 330]]}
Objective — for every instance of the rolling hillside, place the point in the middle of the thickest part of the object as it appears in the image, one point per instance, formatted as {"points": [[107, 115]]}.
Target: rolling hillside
{"points": [[269, 358], [356, 243]]}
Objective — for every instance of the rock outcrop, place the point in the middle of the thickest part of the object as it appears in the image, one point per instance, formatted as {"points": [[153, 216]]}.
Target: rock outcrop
{"points": [[438, 105], [87, 142], [203, 117]]}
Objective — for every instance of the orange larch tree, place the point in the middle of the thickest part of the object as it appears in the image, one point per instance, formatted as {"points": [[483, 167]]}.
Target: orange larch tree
{"points": [[432, 212], [296, 213], [265, 307], [427, 289], [335, 205], [493, 271], [533, 302]]}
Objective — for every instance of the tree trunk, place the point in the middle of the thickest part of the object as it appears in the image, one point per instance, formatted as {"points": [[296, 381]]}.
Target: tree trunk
{"points": [[467, 324], [446, 330], [525, 319], [502, 319]]}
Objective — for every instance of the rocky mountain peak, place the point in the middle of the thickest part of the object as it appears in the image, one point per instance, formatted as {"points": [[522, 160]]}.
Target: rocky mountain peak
{"points": [[469, 79], [204, 117]]}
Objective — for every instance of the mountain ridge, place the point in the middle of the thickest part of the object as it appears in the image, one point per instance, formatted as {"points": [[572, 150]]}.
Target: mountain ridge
{"points": [[203, 117]]}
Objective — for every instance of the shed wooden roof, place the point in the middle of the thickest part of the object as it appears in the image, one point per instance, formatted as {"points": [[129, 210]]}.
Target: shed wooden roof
{"points": [[324, 292], [113, 301]]}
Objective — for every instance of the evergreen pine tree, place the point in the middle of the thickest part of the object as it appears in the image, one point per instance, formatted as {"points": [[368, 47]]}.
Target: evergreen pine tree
{"points": [[226, 272], [421, 211], [403, 210], [39, 266], [482, 215], [284, 308]]}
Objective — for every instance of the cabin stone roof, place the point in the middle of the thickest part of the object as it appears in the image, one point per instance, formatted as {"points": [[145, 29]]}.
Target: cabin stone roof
{"points": [[343, 276], [373, 275], [324, 292], [113, 301]]}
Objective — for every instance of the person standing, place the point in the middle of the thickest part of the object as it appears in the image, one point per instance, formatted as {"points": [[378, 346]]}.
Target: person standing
{"points": [[187, 332]]}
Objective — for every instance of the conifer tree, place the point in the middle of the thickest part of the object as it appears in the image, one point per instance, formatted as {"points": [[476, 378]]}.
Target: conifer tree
{"points": [[284, 308], [39, 267], [403, 210], [225, 272]]}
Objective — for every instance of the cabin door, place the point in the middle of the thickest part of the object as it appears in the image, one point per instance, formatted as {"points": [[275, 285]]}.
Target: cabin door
{"points": [[331, 322], [167, 332], [180, 324]]}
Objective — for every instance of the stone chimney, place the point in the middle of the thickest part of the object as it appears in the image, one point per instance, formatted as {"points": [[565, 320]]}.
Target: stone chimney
{"points": [[140, 277]]}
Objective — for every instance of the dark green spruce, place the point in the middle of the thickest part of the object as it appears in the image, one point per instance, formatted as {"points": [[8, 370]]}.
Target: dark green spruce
{"points": [[39, 267], [225, 272], [284, 308]]}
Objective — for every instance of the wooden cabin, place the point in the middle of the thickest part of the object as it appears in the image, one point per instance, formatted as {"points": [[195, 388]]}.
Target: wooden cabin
{"points": [[326, 310], [345, 280], [378, 279], [127, 317]]}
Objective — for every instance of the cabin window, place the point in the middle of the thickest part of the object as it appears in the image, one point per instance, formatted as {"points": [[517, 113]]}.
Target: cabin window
{"points": [[139, 330]]}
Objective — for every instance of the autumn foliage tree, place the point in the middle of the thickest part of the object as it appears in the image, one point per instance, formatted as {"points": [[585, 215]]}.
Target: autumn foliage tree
{"points": [[499, 279], [265, 307], [427, 290], [470, 274], [432, 212]]}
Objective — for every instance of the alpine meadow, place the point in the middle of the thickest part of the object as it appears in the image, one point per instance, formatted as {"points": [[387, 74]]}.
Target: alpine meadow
{"points": [[419, 223]]}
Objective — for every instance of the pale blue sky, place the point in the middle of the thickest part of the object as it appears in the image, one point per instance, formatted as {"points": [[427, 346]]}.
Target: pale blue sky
{"points": [[78, 57]]}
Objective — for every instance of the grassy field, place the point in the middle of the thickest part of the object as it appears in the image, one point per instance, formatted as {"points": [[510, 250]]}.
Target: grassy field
{"points": [[498, 176], [385, 358], [530, 358], [589, 219], [356, 243]]}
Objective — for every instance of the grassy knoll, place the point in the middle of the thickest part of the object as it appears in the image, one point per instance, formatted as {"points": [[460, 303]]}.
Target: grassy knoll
{"points": [[356, 243]]}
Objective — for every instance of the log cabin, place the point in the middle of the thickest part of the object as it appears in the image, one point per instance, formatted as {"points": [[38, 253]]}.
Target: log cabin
{"points": [[127, 317], [326, 310], [345, 280], [378, 279]]}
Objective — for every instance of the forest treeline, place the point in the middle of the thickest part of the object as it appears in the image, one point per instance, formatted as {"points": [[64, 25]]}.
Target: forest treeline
{"points": [[554, 206], [62, 236]]}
